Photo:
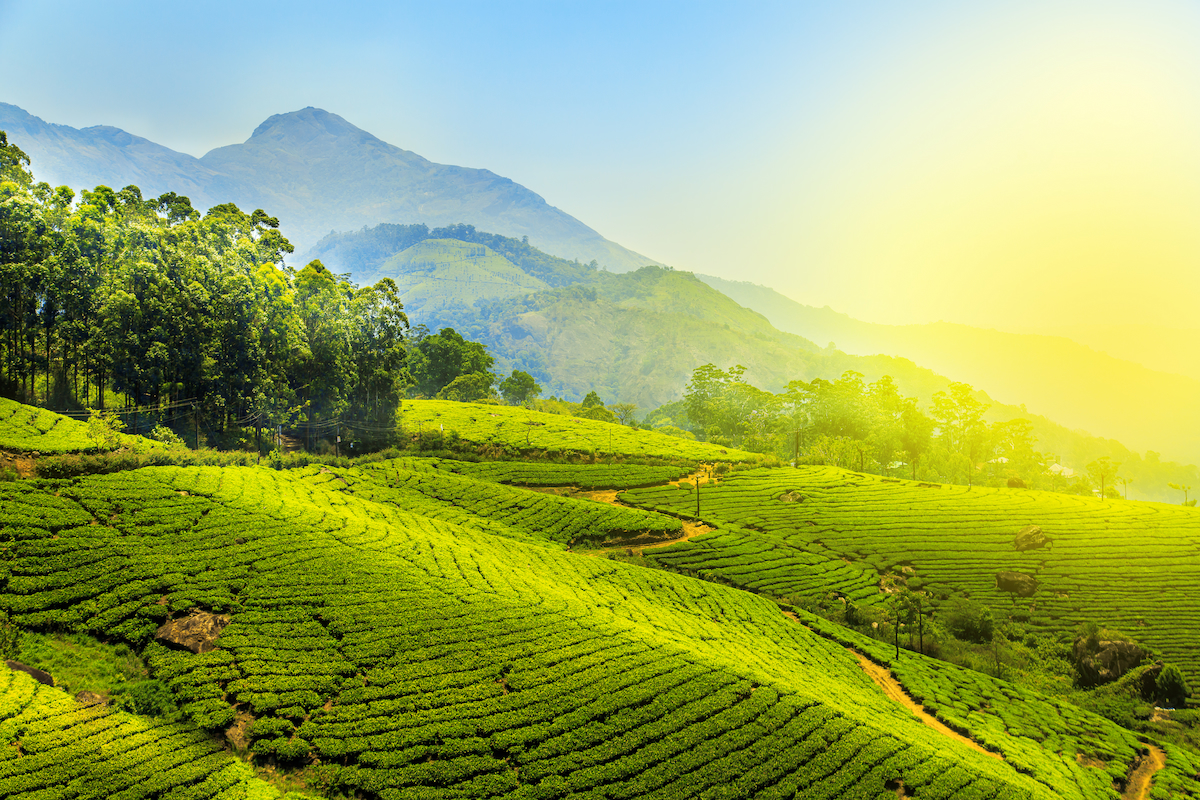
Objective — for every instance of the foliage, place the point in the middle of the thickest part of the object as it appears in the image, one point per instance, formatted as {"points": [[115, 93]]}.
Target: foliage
{"points": [[519, 388], [10, 637], [150, 698], [441, 358], [185, 321], [468, 388], [104, 428], [1171, 686]]}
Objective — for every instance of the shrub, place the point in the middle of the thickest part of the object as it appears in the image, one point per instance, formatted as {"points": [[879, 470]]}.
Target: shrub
{"points": [[149, 698], [1171, 687]]}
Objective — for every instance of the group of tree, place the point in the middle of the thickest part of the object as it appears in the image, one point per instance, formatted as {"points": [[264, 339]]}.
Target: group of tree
{"points": [[873, 427], [112, 300]]}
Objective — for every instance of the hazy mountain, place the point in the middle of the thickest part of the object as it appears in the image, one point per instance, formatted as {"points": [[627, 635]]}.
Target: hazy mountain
{"points": [[1159, 348], [1073, 384], [83, 159], [317, 173]]}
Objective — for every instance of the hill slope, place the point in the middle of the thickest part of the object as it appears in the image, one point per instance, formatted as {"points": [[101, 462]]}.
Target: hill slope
{"points": [[317, 173], [1127, 565], [416, 648], [1053, 376]]}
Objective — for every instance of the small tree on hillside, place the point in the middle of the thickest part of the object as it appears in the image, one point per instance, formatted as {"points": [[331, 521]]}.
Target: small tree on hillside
{"points": [[1171, 687], [1103, 471], [624, 412], [519, 388]]}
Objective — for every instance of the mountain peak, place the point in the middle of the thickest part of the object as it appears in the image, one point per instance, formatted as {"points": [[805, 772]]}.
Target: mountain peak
{"points": [[307, 124]]}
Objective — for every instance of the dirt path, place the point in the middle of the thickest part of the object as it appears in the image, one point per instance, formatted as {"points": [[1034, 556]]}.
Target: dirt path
{"points": [[1140, 782], [895, 692], [690, 528]]}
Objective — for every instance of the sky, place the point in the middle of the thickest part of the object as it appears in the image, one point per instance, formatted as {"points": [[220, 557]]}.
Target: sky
{"points": [[1009, 164]]}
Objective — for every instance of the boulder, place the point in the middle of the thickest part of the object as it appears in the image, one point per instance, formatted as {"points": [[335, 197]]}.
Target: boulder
{"points": [[1017, 583], [197, 631], [1103, 662], [792, 497], [1031, 538], [38, 675], [87, 698]]}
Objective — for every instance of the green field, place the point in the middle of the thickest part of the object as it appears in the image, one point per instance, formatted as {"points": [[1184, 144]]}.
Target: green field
{"points": [[400, 632], [60, 748], [25, 428], [1126, 565], [513, 430]]}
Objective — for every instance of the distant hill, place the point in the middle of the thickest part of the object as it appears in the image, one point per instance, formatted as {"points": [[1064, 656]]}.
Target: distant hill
{"points": [[317, 173], [1050, 375], [437, 275], [636, 337]]}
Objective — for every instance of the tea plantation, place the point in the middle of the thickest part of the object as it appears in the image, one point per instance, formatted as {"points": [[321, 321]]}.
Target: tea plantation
{"points": [[803, 532], [396, 631], [27, 428], [512, 430], [58, 747]]}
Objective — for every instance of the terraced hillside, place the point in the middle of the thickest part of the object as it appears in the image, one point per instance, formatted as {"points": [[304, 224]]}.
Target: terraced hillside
{"points": [[56, 742], [512, 430], [396, 631], [803, 532], [26, 428]]}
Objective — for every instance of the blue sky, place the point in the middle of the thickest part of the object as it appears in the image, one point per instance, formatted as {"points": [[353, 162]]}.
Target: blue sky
{"points": [[884, 158]]}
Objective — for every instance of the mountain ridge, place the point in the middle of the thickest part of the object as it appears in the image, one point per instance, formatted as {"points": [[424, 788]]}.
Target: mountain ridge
{"points": [[1072, 383], [317, 173]]}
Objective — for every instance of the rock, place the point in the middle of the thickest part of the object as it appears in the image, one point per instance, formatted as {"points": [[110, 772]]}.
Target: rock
{"points": [[791, 497], [89, 698], [1105, 663], [1018, 583], [196, 632], [38, 675], [1016, 483], [1031, 538]]}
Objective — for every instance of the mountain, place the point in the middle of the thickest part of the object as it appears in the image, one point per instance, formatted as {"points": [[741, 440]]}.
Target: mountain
{"points": [[317, 173], [1050, 375]]}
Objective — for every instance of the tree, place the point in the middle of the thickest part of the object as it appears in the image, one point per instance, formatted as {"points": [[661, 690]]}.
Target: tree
{"points": [[960, 425], [444, 356], [1102, 471], [468, 388], [519, 388], [624, 412], [1171, 687], [592, 400], [1182, 488]]}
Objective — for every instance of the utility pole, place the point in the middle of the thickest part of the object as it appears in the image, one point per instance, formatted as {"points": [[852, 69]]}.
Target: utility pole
{"points": [[697, 495], [796, 450], [337, 440]]}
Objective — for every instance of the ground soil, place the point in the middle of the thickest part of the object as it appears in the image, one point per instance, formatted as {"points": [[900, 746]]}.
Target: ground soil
{"points": [[23, 463], [1139, 783]]}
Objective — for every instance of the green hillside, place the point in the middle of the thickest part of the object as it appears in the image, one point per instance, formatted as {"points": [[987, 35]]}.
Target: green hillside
{"points": [[512, 430], [437, 276], [801, 533], [30, 429], [394, 637], [59, 747], [361, 253], [1053, 376]]}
